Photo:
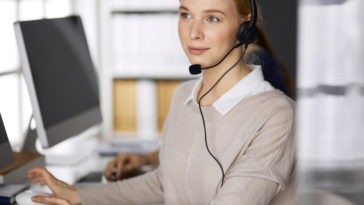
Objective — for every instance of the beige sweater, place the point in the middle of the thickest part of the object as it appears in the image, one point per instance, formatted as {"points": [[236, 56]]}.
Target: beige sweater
{"points": [[254, 143]]}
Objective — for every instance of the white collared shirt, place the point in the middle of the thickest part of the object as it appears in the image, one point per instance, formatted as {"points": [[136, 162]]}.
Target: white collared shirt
{"points": [[250, 85]]}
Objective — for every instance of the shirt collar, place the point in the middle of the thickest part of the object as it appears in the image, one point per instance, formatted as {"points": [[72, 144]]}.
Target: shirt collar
{"points": [[237, 93]]}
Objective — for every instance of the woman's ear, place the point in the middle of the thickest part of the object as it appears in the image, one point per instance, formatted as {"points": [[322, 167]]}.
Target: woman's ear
{"points": [[249, 16], [245, 18]]}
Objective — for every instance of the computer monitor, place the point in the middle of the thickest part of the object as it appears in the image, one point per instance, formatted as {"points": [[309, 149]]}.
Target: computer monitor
{"points": [[60, 76], [6, 153]]}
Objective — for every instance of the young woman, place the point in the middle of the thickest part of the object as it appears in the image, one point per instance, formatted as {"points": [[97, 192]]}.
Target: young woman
{"points": [[247, 153], [125, 164]]}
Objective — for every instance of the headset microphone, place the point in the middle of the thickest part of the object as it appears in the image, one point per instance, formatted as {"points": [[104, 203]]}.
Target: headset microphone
{"points": [[195, 69]]}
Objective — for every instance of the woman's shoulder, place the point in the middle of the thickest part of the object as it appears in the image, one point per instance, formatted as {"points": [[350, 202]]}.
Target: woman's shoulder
{"points": [[186, 86], [184, 90], [272, 101]]}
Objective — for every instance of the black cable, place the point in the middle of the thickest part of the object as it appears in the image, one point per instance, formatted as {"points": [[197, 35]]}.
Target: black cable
{"points": [[236, 46], [203, 119]]}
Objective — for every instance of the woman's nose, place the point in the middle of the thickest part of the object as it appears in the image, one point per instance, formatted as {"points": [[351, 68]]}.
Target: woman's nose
{"points": [[196, 32]]}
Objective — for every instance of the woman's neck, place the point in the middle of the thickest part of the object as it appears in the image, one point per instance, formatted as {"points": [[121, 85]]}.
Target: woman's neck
{"points": [[211, 76]]}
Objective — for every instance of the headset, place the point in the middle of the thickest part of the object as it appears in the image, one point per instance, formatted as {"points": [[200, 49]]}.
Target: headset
{"points": [[246, 34]]}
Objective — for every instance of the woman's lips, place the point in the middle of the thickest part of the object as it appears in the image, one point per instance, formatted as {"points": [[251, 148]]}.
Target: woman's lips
{"points": [[197, 50]]}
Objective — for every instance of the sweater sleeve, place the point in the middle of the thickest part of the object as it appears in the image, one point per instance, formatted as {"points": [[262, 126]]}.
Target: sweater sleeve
{"points": [[143, 189], [265, 167]]}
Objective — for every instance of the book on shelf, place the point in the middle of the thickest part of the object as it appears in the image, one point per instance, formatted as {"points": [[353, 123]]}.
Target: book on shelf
{"points": [[124, 105], [165, 91], [142, 106]]}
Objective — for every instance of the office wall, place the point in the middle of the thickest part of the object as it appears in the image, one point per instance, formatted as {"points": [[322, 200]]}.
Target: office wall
{"points": [[279, 23]]}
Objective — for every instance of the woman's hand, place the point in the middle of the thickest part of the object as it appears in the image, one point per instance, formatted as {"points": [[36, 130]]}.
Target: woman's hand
{"points": [[124, 163], [62, 192], [50, 200]]}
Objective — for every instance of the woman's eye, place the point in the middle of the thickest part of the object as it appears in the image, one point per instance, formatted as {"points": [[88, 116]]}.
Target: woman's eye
{"points": [[213, 19], [185, 15]]}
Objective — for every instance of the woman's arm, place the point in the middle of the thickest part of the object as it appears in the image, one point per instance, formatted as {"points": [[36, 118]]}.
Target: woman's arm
{"points": [[152, 158], [265, 167], [144, 189], [139, 190]]}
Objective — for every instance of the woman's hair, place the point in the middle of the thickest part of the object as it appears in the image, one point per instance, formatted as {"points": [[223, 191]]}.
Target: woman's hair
{"points": [[244, 8]]}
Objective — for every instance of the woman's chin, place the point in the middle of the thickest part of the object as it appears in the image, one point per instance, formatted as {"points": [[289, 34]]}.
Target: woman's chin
{"points": [[198, 62], [203, 61], [202, 64]]}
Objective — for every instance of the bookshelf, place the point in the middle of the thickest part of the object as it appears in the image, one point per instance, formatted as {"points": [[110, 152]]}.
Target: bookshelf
{"points": [[142, 63]]}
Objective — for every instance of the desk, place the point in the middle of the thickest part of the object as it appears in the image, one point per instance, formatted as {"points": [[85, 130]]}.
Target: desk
{"points": [[96, 163], [70, 174]]}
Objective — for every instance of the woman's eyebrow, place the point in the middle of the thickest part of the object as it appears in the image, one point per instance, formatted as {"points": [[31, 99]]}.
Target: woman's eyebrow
{"points": [[206, 11], [183, 8], [215, 11]]}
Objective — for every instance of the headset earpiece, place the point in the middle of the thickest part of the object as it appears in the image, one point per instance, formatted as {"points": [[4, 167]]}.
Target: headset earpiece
{"points": [[246, 34]]}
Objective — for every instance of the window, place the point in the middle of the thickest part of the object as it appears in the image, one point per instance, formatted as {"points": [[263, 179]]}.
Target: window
{"points": [[15, 105]]}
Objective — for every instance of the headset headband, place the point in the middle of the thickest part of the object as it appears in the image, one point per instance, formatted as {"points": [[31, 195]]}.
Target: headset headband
{"points": [[253, 19]]}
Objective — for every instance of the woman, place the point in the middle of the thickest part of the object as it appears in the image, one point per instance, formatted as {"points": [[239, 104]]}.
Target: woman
{"points": [[249, 124], [126, 165]]}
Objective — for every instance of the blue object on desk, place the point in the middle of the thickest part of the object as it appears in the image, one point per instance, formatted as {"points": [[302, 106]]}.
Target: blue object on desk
{"points": [[9, 191]]}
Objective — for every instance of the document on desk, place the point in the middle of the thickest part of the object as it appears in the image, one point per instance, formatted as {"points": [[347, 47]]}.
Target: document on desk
{"points": [[112, 148]]}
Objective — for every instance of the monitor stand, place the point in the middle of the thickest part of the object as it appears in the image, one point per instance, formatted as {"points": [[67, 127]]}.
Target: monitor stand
{"points": [[67, 153], [30, 139]]}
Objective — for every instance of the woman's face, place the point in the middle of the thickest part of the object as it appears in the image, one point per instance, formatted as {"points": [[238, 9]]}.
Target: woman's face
{"points": [[207, 29]]}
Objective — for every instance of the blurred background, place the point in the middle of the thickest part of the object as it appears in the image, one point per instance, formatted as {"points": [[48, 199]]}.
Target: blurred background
{"points": [[135, 48], [330, 106], [136, 80]]}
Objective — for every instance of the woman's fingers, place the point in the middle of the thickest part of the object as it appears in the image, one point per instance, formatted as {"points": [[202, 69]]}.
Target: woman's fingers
{"points": [[129, 167], [37, 179], [34, 173], [119, 169], [50, 200], [124, 162], [41, 175], [39, 172], [109, 169], [118, 163], [58, 188]]}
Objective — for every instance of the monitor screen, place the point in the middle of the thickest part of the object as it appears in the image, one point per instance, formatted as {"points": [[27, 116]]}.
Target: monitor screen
{"points": [[60, 75], [7, 156]]}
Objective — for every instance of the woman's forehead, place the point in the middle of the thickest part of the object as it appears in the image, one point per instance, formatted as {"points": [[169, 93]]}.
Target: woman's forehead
{"points": [[223, 5]]}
